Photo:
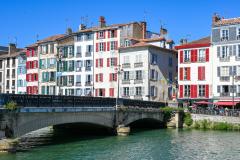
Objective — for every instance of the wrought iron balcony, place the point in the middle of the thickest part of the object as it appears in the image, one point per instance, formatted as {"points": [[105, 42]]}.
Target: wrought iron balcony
{"points": [[88, 54], [126, 65], [88, 83], [126, 81], [139, 64], [225, 94], [136, 81]]}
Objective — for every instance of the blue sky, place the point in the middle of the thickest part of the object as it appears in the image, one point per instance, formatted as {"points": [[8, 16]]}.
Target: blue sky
{"points": [[25, 19]]}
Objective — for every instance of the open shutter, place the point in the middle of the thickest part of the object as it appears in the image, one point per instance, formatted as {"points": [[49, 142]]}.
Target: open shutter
{"points": [[108, 62], [115, 33], [97, 47], [199, 73], [207, 91], [104, 46], [116, 45], [101, 62], [116, 76], [218, 51], [203, 73], [110, 77], [96, 76], [181, 91], [108, 46], [181, 74], [97, 35], [96, 63], [109, 32], [181, 56], [192, 55], [207, 54], [115, 61], [188, 73]]}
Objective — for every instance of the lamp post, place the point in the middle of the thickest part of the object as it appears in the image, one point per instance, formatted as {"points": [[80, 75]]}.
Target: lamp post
{"points": [[119, 71], [59, 60]]}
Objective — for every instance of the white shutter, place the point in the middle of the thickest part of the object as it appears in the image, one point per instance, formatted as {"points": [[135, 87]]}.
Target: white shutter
{"points": [[131, 90], [143, 91], [143, 74], [131, 74]]}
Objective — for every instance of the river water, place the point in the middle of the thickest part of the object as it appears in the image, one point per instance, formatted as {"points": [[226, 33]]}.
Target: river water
{"points": [[162, 144]]}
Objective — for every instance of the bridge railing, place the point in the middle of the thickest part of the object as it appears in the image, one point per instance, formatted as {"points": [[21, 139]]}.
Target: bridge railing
{"points": [[73, 101], [229, 112]]}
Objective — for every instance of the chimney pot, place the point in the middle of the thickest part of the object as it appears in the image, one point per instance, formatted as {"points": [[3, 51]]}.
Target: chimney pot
{"points": [[144, 29], [102, 22]]}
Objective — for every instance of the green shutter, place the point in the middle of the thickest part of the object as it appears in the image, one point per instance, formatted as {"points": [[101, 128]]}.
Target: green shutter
{"points": [[42, 76], [40, 64], [47, 77]]}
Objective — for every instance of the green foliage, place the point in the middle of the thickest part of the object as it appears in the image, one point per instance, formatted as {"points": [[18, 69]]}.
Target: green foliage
{"points": [[11, 105], [188, 119], [168, 111]]}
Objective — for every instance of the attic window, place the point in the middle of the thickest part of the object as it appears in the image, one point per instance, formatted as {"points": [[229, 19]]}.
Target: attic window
{"points": [[127, 43]]}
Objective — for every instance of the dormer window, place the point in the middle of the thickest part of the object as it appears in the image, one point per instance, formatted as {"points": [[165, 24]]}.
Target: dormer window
{"points": [[101, 34], [127, 43], [224, 35]]}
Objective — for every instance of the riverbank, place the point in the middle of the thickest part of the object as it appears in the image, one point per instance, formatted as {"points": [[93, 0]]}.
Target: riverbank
{"points": [[210, 123]]}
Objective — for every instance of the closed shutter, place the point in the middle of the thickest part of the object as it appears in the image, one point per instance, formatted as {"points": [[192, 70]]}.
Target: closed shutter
{"points": [[199, 73], [181, 56], [218, 51], [207, 91], [36, 62], [104, 46], [188, 73], [101, 77], [181, 91], [101, 62], [108, 46], [203, 73], [27, 53], [181, 74], [115, 62], [96, 92], [36, 75], [96, 63], [104, 34], [97, 47], [192, 91], [196, 55], [108, 62], [207, 54], [116, 45], [192, 55], [195, 91], [96, 76]]}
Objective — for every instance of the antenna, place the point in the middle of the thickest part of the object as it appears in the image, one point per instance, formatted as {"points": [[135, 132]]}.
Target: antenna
{"points": [[145, 15], [81, 19], [37, 37], [86, 20]]}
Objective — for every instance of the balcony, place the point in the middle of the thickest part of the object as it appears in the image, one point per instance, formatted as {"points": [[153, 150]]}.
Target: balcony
{"points": [[126, 81], [137, 81], [138, 97], [78, 55], [225, 94], [238, 37], [88, 83], [69, 84], [225, 79], [78, 84], [88, 68], [78, 69], [126, 65], [88, 54], [139, 64], [224, 59], [224, 39]]}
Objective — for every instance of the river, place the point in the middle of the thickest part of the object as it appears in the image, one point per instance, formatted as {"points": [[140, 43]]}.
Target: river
{"points": [[162, 144]]}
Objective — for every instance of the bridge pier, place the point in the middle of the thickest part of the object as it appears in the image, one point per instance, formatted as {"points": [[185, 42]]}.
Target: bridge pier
{"points": [[8, 145], [176, 121], [122, 130]]}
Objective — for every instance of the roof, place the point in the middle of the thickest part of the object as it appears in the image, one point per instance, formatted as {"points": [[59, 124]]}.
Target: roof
{"points": [[3, 48], [227, 21], [51, 38], [203, 42], [154, 39]]}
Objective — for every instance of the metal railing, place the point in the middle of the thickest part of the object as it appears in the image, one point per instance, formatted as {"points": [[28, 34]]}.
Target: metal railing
{"points": [[73, 101], [219, 112]]}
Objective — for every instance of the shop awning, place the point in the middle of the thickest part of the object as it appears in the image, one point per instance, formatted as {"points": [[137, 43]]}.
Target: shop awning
{"points": [[203, 102], [225, 103]]}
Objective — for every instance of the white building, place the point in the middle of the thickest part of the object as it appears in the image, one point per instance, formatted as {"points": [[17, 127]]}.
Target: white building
{"points": [[21, 73], [226, 69]]}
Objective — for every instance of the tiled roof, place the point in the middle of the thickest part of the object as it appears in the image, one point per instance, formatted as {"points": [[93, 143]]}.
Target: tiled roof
{"points": [[154, 39], [227, 21], [203, 42], [51, 38]]}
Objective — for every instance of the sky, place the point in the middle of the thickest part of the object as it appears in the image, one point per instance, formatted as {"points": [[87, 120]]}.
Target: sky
{"points": [[22, 21]]}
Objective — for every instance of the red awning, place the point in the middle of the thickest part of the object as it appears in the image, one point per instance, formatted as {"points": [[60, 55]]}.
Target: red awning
{"points": [[225, 103], [203, 102]]}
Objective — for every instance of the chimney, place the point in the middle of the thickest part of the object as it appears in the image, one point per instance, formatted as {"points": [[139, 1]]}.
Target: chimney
{"points": [[69, 31], [144, 29], [163, 32], [81, 27], [183, 41], [12, 48], [215, 18], [102, 22]]}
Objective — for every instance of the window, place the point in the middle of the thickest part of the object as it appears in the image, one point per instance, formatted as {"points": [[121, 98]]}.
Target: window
{"points": [[224, 71], [89, 48], [154, 59], [70, 51], [101, 34], [80, 37], [170, 61], [186, 55], [13, 61], [8, 62], [88, 65], [79, 51], [113, 61], [238, 51], [78, 80], [112, 33], [139, 75], [125, 91], [138, 58], [13, 84], [113, 77], [71, 65], [88, 36], [52, 76], [153, 74], [187, 91], [70, 80], [78, 92], [51, 48], [8, 84], [153, 90], [88, 92], [13, 73], [78, 65], [224, 53], [127, 43], [138, 91], [185, 74], [1, 63], [126, 59], [112, 45], [52, 62], [88, 78], [8, 73], [126, 75], [201, 90], [224, 35], [101, 46], [201, 55], [238, 33]]}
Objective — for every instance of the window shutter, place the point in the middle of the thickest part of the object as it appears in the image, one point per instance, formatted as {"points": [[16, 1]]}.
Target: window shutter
{"points": [[27, 53], [101, 62], [181, 91], [116, 76], [189, 73], [97, 35], [207, 54], [97, 47], [234, 50], [192, 91], [218, 71], [192, 55], [115, 33], [234, 70], [195, 91], [96, 92], [218, 89], [96, 76], [110, 77], [199, 73], [181, 56], [218, 51], [101, 77], [230, 50], [104, 46], [181, 74], [115, 62], [116, 45], [96, 63], [104, 34], [207, 91], [203, 73], [196, 55], [109, 33], [40, 64], [108, 46], [108, 62]]}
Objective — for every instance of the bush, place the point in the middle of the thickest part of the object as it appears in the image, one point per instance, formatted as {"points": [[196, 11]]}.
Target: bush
{"points": [[11, 105], [188, 119]]}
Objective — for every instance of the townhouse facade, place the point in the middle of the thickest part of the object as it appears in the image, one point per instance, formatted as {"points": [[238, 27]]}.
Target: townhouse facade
{"points": [[21, 72], [226, 48], [195, 67]]}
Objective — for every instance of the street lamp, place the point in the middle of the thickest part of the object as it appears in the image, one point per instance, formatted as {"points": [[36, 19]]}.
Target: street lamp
{"points": [[59, 60], [119, 71]]}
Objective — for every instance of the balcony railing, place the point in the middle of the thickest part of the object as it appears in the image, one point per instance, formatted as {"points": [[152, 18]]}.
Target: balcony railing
{"points": [[225, 78], [88, 54], [88, 83], [224, 38], [78, 84], [79, 55], [139, 64], [126, 81], [69, 84], [225, 94], [138, 97], [225, 59], [88, 68], [136, 81], [126, 65]]}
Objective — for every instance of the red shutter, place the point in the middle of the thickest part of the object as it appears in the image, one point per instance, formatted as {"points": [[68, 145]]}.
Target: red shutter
{"points": [[96, 63], [108, 46], [111, 92], [108, 62], [188, 73], [115, 62], [36, 64], [116, 45], [101, 62], [97, 35], [27, 53], [115, 33], [192, 91], [96, 77], [181, 91], [104, 46], [96, 92], [36, 77], [27, 65], [196, 55], [110, 77], [181, 56], [207, 54], [115, 76], [181, 74], [101, 77], [203, 73], [103, 92], [195, 91], [27, 77], [33, 77], [104, 34], [97, 47], [207, 91], [192, 55], [199, 73], [32, 64], [109, 34]]}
